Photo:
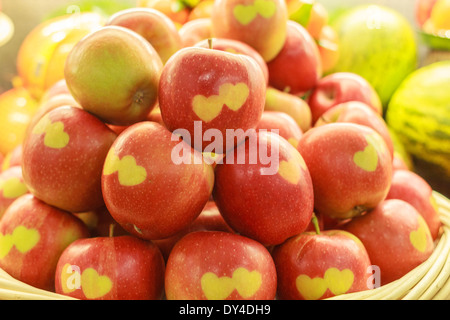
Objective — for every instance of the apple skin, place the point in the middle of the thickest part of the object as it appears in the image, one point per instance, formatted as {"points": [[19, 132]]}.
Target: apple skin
{"points": [[64, 168], [221, 254], [386, 233], [297, 67], [12, 158], [423, 10], [350, 167], [412, 188], [328, 44], [340, 87], [284, 123], [100, 223], [359, 113], [265, 34], [268, 208], [209, 219], [194, 31], [312, 254], [52, 229], [135, 269], [153, 197], [218, 69], [296, 107], [12, 187], [113, 73], [236, 46], [158, 29]]}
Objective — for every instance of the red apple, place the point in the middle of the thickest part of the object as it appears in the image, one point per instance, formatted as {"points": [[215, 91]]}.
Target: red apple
{"points": [[114, 73], [341, 87], [395, 236], [297, 67], [12, 187], [423, 10], [412, 188], [259, 23], [202, 89], [194, 31], [154, 192], [157, 28], [296, 107], [359, 113], [13, 158], [63, 159], [209, 219], [235, 46], [111, 268], [350, 167], [33, 235], [284, 123], [215, 265], [100, 222], [313, 266], [270, 199]]}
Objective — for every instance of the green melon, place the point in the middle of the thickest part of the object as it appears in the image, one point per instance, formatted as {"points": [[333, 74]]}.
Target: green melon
{"points": [[419, 113], [377, 43]]}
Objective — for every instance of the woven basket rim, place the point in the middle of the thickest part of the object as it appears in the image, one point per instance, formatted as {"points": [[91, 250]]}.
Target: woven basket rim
{"points": [[428, 281]]}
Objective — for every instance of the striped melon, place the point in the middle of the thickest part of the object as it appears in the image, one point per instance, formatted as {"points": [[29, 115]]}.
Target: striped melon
{"points": [[419, 113]]}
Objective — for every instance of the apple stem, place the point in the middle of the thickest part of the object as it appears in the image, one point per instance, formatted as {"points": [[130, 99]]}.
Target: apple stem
{"points": [[210, 43], [315, 222], [111, 230]]}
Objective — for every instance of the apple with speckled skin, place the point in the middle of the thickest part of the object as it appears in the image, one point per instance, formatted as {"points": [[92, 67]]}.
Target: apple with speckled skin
{"points": [[216, 265], [63, 159], [410, 187], [156, 191], [114, 73], [194, 31], [111, 268], [341, 87], [313, 266], [259, 23], [405, 242], [263, 189], [284, 123], [350, 167], [202, 89], [33, 235], [297, 67], [158, 29]]}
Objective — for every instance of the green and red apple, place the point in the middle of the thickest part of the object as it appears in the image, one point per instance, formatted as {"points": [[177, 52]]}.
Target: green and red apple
{"points": [[194, 31], [284, 123], [12, 187]]}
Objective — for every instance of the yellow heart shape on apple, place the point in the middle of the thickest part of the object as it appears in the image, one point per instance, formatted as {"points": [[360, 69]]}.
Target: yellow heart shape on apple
{"points": [[310, 289], [289, 171], [419, 237], [55, 137], [244, 14], [6, 244], [219, 288], [70, 279], [216, 288], [207, 109], [339, 282], [367, 159], [129, 173], [25, 239], [13, 188], [266, 8], [94, 285], [234, 96]]}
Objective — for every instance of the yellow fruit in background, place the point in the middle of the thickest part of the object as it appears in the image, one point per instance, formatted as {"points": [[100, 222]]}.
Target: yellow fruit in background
{"points": [[42, 55], [440, 15], [17, 107]]}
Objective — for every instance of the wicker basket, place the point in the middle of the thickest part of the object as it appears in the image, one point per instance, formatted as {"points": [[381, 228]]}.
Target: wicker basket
{"points": [[429, 281]]}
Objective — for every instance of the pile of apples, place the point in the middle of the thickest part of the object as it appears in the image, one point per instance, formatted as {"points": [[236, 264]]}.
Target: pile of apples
{"points": [[105, 212]]}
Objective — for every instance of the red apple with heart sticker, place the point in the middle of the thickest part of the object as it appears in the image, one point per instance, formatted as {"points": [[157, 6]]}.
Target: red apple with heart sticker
{"points": [[156, 191], [12, 187], [111, 268], [259, 23], [216, 265], [114, 73], [225, 91], [395, 236], [359, 113], [350, 167], [154, 26], [33, 235], [341, 87], [63, 159], [297, 67], [410, 187], [263, 189], [313, 266]]}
